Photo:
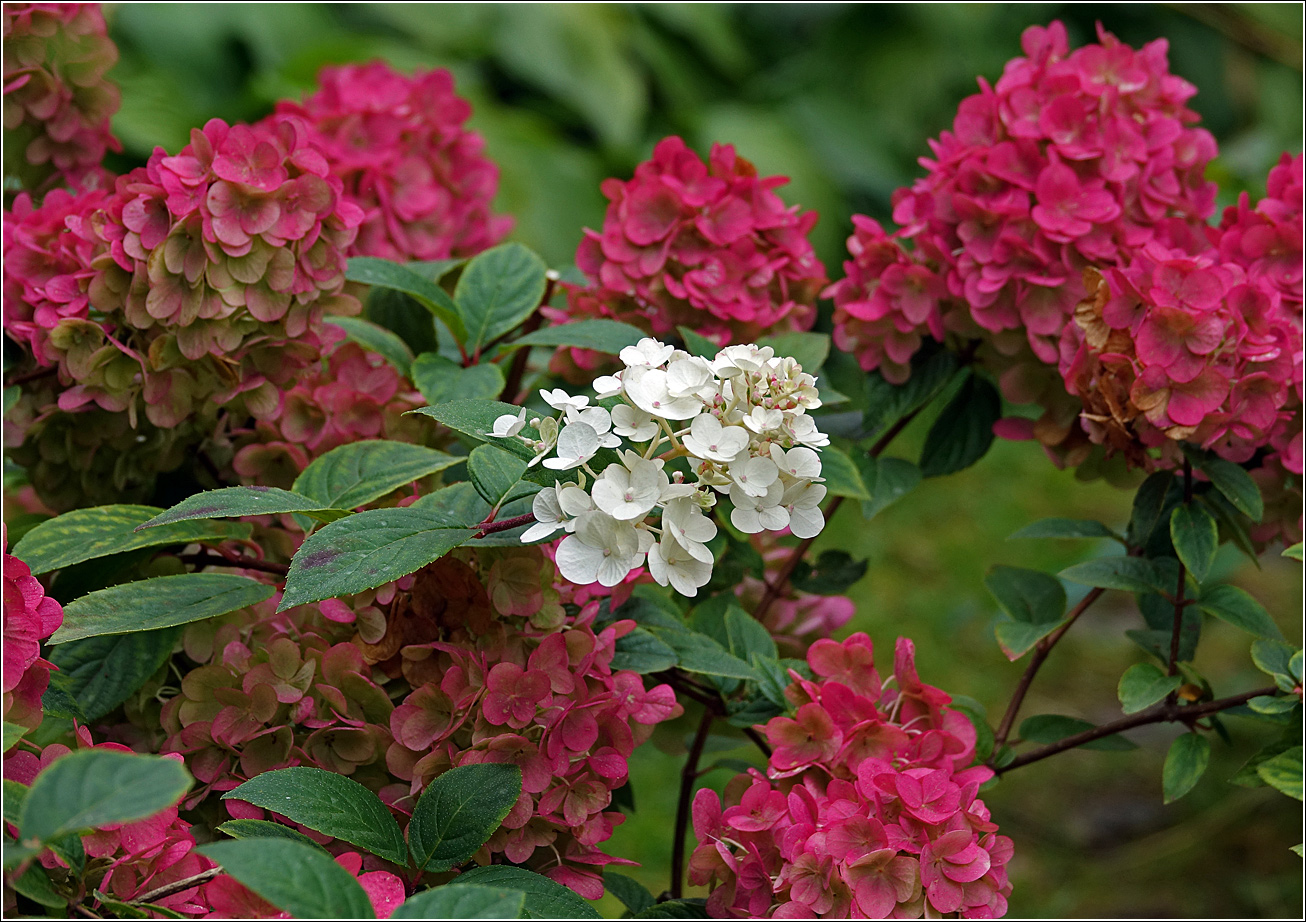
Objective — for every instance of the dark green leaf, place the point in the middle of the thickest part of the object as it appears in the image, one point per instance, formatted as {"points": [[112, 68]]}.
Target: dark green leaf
{"points": [[963, 431], [1050, 728], [609, 336], [978, 717], [834, 572], [377, 339], [1235, 606], [367, 550], [265, 829], [164, 601], [96, 787], [841, 475], [930, 372], [85, 534], [463, 901], [329, 803], [105, 671], [1273, 657], [1159, 614], [1247, 776], [236, 501], [1184, 765], [441, 380], [1132, 574], [1143, 685], [888, 480], [1016, 638], [639, 651], [1195, 537], [360, 472], [293, 877], [544, 898], [688, 908], [1283, 772], [403, 315], [37, 886], [459, 504], [1030, 596], [476, 419], [497, 291], [134, 910], [808, 349], [697, 344], [1065, 528], [493, 472], [58, 700], [1157, 495], [772, 678], [13, 733], [747, 636], [1232, 481], [633, 895], [372, 271], [458, 811], [14, 794], [702, 654]]}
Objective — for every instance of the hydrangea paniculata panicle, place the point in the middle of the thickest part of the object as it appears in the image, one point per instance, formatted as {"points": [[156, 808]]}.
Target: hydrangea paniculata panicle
{"points": [[868, 807], [740, 423], [399, 146], [1072, 159], [709, 246], [30, 616], [57, 102]]}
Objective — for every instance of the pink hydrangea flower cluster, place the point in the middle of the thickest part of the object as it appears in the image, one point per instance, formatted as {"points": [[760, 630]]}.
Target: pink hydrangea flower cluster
{"points": [[30, 616], [399, 146], [57, 102], [126, 860], [501, 674], [707, 246], [868, 808], [1072, 159]]}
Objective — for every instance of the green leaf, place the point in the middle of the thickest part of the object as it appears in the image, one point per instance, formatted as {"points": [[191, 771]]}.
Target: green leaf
{"points": [[293, 877], [608, 336], [1157, 495], [1159, 614], [493, 472], [1273, 657], [1030, 596], [1235, 606], [963, 431], [544, 898], [459, 811], [1184, 765], [1132, 574], [266, 829], [85, 534], [377, 339], [888, 480], [687, 908], [1143, 685], [633, 895], [841, 475], [888, 403], [747, 636], [463, 901], [442, 380], [14, 794], [236, 501], [105, 671], [834, 572], [134, 910], [360, 472], [1016, 638], [1265, 704], [772, 678], [329, 803], [476, 419], [703, 654], [36, 885], [1065, 528], [1196, 538], [1232, 481], [58, 700], [13, 733], [641, 652], [402, 315], [1050, 728], [697, 344], [1283, 772], [497, 291], [808, 349], [979, 720], [372, 271], [367, 550], [460, 505], [164, 601], [96, 787], [1294, 552]]}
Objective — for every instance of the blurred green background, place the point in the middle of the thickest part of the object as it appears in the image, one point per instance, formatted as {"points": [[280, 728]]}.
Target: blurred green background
{"points": [[841, 98]]}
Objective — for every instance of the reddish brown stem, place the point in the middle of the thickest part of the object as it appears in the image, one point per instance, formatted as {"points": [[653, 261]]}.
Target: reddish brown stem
{"points": [[489, 528], [687, 776]]}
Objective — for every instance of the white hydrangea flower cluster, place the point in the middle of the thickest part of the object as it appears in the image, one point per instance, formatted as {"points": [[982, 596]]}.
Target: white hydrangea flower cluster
{"points": [[740, 421]]}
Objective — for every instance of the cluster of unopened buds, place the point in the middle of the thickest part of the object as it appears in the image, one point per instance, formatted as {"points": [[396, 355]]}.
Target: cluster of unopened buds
{"points": [[740, 422]]}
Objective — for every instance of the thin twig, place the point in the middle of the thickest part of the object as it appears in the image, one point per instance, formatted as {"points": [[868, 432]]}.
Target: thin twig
{"points": [[1041, 651], [780, 581], [687, 776], [31, 375], [235, 560], [1165, 712], [758, 741], [177, 886], [517, 370]]}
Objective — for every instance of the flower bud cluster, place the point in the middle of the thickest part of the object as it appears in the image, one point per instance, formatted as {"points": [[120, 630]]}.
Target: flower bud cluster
{"points": [[739, 420], [706, 246], [30, 616], [399, 147], [867, 808], [57, 102], [1072, 159]]}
